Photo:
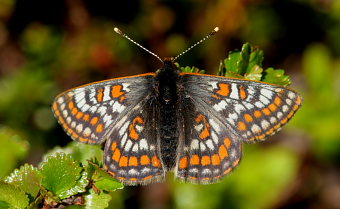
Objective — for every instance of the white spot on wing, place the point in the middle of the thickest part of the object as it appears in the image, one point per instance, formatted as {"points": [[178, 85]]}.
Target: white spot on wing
{"points": [[259, 104], [79, 128], [202, 146], [93, 109], [118, 107], [73, 124], [220, 106], [248, 105], [139, 128], [106, 93], [87, 131], [123, 140], [206, 171], [234, 91], [285, 108], [288, 101], [135, 147], [143, 144], [238, 108], [125, 87], [214, 125], [267, 93], [279, 115], [68, 120], [214, 137], [233, 116], [85, 107], [265, 124], [62, 106], [146, 170], [102, 110], [291, 95], [92, 96], [65, 113], [199, 127], [60, 100], [123, 129], [128, 145], [133, 172], [255, 128], [79, 95], [273, 120], [210, 144], [264, 99], [81, 103], [194, 144]]}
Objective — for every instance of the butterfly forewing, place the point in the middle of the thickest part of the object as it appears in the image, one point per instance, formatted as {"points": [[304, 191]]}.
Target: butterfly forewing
{"points": [[250, 110], [209, 150], [87, 113], [132, 151]]}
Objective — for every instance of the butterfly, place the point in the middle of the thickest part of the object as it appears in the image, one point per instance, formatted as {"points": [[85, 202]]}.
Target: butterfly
{"points": [[189, 123]]}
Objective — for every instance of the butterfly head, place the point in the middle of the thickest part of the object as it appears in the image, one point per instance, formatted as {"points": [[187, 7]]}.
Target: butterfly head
{"points": [[169, 67]]}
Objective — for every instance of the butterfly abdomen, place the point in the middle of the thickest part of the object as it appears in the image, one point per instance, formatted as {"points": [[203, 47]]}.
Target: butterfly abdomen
{"points": [[167, 78]]}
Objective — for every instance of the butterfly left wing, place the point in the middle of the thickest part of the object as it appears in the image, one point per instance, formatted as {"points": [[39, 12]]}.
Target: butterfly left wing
{"points": [[131, 152], [87, 113]]}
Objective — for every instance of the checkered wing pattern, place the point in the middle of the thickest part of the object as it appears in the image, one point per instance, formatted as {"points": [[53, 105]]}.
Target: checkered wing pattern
{"points": [[219, 113], [131, 152], [88, 113], [210, 150]]}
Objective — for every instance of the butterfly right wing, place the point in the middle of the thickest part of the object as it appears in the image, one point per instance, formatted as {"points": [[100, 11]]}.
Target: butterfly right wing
{"points": [[87, 113], [132, 153]]}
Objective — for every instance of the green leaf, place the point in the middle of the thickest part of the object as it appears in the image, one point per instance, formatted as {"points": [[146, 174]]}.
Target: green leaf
{"points": [[254, 73], [63, 176], [103, 180], [188, 69], [97, 201], [83, 152], [12, 148], [12, 196], [231, 63], [79, 151], [27, 178], [276, 77]]}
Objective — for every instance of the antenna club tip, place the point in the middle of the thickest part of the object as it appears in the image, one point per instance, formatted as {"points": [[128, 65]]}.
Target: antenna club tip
{"points": [[117, 30], [216, 29]]}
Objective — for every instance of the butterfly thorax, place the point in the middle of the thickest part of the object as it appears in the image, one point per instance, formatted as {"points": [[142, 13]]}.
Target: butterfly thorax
{"points": [[167, 78]]}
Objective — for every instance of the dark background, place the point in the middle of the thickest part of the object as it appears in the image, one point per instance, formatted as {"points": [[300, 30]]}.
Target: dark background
{"points": [[50, 46]]}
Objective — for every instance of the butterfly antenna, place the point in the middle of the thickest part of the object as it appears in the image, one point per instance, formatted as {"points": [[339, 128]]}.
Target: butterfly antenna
{"points": [[128, 38], [216, 29]]}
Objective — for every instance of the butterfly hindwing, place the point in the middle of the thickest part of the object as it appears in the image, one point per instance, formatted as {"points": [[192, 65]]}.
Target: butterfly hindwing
{"points": [[251, 110], [131, 152], [209, 151], [87, 113]]}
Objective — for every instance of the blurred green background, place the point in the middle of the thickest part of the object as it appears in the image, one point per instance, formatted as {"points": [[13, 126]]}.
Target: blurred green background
{"points": [[50, 46]]}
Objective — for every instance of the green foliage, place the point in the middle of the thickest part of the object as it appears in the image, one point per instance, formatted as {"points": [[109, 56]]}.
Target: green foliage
{"points": [[102, 179], [12, 148], [247, 64], [59, 179], [12, 196], [188, 69], [27, 178], [63, 176]]}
